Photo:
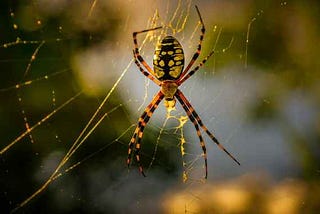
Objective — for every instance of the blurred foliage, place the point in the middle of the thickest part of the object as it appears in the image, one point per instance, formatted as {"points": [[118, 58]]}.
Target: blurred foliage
{"points": [[247, 194], [285, 46]]}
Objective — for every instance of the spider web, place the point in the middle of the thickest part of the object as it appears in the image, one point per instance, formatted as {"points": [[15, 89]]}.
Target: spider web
{"points": [[56, 100], [71, 96]]}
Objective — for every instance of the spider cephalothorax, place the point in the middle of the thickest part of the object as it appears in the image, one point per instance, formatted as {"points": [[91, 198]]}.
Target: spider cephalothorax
{"points": [[168, 73]]}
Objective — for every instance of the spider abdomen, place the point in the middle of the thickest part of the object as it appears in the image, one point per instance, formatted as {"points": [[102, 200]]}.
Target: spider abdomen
{"points": [[168, 59]]}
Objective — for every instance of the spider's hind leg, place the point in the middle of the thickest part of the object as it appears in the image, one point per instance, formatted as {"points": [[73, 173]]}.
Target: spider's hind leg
{"points": [[195, 123], [195, 117], [135, 144]]}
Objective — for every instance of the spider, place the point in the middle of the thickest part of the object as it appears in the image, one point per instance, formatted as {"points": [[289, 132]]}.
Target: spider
{"points": [[168, 73]]}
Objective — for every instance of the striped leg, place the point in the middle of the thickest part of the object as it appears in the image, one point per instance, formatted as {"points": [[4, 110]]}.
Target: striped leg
{"points": [[195, 123], [145, 72], [182, 79], [197, 53], [137, 130], [196, 116], [136, 48], [143, 120]]}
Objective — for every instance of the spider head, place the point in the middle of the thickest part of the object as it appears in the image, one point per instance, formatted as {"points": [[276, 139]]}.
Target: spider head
{"points": [[168, 59], [169, 89]]}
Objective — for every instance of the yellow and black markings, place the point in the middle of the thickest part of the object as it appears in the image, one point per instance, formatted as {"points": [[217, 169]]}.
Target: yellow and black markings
{"points": [[168, 59]]}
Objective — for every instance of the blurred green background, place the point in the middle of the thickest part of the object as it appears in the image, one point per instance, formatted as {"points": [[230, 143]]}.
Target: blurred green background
{"points": [[260, 96]]}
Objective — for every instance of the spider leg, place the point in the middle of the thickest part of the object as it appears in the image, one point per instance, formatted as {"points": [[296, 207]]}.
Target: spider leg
{"points": [[197, 53], [148, 75], [137, 130], [136, 49], [143, 120], [180, 96], [184, 78], [195, 123]]}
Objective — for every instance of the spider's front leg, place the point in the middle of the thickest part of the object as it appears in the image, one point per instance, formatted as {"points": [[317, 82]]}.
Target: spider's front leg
{"points": [[138, 133], [198, 51], [187, 76], [148, 75], [136, 48]]}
